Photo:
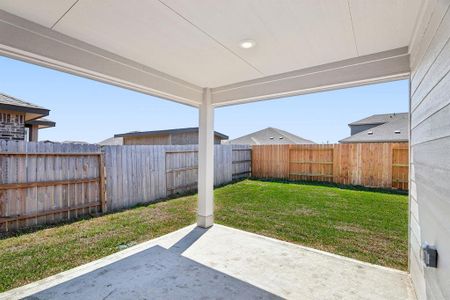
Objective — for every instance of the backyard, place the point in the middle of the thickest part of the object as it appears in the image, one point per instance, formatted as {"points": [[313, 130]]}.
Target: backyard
{"points": [[366, 225]]}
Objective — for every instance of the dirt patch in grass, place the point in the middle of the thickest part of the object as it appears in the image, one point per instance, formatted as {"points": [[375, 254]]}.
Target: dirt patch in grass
{"points": [[350, 228], [304, 211]]}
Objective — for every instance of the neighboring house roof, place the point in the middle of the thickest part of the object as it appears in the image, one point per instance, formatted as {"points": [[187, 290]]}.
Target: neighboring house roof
{"points": [[42, 123], [112, 141], [11, 103], [166, 131], [270, 136], [380, 119], [391, 131], [75, 142]]}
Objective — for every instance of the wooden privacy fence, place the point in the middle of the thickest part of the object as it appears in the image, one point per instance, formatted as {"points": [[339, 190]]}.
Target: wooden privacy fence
{"points": [[383, 165], [400, 168], [181, 171], [140, 174], [241, 161], [43, 183]]}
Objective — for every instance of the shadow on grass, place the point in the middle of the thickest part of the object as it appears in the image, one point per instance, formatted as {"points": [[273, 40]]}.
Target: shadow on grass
{"points": [[336, 185], [32, 229], [35, 228], [194, 191]]}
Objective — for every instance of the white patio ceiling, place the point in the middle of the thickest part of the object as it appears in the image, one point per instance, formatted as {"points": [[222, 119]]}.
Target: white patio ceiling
{"points": [[174, 48]]}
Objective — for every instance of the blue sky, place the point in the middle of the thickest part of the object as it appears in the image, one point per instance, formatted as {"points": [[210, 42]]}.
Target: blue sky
{"points": [[86, 110]]}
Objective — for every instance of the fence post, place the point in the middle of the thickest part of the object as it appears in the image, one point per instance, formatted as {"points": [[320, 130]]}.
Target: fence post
{"points": [[102, 182]]}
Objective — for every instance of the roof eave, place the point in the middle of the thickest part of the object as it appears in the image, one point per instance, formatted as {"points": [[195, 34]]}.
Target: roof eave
{"points": [[42, 124], [166, 131], [366, 123], [39, 111]]}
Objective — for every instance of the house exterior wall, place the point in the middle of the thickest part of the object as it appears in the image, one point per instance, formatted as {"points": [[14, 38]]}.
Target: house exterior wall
{"points": [[189, 138], [354, 129], [186, 138], [12, 125], [147, 140], [430, 144]]}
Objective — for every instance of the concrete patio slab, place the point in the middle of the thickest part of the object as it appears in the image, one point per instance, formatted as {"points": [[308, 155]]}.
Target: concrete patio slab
{"points": [[221, 263]]}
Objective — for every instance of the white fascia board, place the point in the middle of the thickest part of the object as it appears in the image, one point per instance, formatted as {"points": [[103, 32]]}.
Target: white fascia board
{"points": [[31, 42], [380, 67]]}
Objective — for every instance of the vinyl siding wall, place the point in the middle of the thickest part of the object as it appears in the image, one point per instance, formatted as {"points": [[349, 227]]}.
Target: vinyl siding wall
{"points": [[147, 140], [430, 149]]}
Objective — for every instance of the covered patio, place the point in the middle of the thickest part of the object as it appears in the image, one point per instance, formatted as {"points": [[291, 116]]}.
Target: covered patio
{"points": [[221, 263], [209, 54]]}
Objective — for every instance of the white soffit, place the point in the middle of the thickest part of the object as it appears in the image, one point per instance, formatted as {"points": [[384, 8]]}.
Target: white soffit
{"points": [[28, 41], [380, 25], [45, 13], [197, 41], [289, 35], [150, 33]]}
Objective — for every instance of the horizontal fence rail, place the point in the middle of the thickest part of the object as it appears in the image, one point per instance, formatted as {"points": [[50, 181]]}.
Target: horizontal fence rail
{"points": [[381, 165], [44, 183]]}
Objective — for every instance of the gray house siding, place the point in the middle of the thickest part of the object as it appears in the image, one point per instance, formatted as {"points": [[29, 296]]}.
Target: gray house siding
{"points": [[189, 138], [147, 140], [176, 138], [430, 150], [354, 129]]}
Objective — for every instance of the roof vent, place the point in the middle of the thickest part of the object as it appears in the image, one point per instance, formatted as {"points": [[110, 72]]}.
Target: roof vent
{"points": [[370, 132], [280, 137], [271, 138], [397, 132]]}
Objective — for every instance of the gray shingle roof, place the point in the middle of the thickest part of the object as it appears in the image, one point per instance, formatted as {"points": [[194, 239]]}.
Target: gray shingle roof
{"points": [[10, 100], [112, 141], [270, 136], [167, 131], [12, 103], [42, 122], [382, 133], [380, 119]]}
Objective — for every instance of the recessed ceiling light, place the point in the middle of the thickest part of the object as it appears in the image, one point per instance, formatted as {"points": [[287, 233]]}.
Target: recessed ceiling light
{"points": [[247, 44]]}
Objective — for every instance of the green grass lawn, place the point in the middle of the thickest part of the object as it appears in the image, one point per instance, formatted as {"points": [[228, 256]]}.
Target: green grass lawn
{"points": [[368, 226]]}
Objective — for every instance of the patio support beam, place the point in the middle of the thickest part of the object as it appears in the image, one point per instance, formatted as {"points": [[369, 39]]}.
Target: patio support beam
{"points": [[205, 214], [374, 68], [30, 42]]}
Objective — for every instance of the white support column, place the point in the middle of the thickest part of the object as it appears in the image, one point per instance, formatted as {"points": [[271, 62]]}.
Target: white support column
{"points": [[205, 211]]}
